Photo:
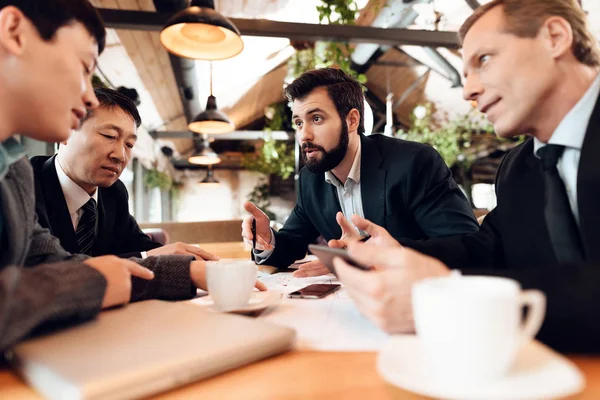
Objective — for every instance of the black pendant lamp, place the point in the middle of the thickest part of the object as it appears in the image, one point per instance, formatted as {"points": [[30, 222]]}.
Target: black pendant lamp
{"points": [[210, 177], [204, 155], [201, 33], [211, 121]]}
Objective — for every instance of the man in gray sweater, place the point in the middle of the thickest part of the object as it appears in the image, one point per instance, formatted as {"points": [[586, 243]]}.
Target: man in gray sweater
{"points": [[48, 52]]}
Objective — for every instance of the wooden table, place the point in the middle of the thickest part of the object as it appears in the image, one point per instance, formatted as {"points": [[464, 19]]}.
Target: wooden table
{"points": [[227, 249], [300, 375], [297, 375]]}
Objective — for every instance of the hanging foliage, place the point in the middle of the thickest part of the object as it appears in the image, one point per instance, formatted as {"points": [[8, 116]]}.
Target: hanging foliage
{"points": [[275, 157], [450, 137], [154, 178], [328, 54]]}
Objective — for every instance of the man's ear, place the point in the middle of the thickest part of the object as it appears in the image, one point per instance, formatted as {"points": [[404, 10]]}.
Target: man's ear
{"points": [[14, 27], [353, 120], [558, 36]]}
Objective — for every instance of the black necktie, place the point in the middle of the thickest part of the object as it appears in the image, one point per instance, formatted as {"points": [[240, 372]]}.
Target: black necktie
{"points": [[86, 229], [562, 228]]}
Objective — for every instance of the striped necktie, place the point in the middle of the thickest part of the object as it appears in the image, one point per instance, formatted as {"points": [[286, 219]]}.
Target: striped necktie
{"points": [[86, 229]]}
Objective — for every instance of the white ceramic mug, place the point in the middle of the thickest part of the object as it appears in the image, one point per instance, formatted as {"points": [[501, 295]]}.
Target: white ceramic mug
{"points": [[230, 282], [471, 327]]}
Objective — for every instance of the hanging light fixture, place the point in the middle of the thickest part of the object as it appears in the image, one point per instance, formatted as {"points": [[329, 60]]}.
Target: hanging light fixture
{"points": [[210, 178], [201, 33], [204, 155], [211, 120]]}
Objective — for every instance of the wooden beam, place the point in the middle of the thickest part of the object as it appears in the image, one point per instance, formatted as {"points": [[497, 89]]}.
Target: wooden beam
{"points": [[154, 21], [235, 135]]}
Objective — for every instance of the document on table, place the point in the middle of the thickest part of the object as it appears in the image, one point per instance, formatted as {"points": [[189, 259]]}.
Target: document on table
{"points": [[332, 323]]}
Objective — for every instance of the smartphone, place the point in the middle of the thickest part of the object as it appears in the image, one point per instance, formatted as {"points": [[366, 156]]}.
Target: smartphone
{"points": [[327, 254], [316, 291]]}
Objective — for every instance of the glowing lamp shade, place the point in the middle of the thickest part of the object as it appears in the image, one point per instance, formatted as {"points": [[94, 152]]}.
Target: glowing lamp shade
{"points": [[205, 155], [211, 121], [201, 33]]}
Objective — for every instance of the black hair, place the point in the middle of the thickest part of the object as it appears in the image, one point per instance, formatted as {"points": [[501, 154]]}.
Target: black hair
{"points": [[50, 15], [345, 91], [110, 99]]}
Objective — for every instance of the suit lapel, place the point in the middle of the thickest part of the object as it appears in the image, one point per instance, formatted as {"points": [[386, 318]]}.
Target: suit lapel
{"points": [[58, 212], [588, 188], [372, 182]]}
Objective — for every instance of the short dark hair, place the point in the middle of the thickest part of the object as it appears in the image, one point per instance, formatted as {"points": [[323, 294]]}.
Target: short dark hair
{"points": [[110, 99], [50, 15], [345, 91]]}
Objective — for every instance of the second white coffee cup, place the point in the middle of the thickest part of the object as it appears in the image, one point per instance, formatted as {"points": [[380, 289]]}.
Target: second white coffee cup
{"points": [[471, 327], [230, 282]]}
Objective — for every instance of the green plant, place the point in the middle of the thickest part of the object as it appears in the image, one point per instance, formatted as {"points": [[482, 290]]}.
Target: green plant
{"points": [[451, 138], [328, 54], [275, 157], [260, 197], [277, 117], [341, 12], [154, 178], [300, 62], [454, 138]]}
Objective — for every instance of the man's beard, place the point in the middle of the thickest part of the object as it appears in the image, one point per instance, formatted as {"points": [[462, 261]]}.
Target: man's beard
{"points": [[330, 159]]}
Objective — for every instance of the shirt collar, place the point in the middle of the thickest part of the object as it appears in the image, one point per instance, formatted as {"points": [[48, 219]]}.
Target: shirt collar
{"points": [[11, 151], [572, 129], [75, 196], [353, 175]]}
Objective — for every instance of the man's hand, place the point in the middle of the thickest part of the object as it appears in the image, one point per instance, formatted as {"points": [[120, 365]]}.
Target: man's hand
{"points": [[311, 268], [198, 275], [117, 272], [180, 248], [384, 295], [379, 235], [316, 267], [263, 227]]}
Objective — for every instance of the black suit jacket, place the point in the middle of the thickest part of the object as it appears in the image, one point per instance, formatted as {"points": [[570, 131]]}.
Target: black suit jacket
{"points": [[118, 232], [514, 242], [405, 187]]}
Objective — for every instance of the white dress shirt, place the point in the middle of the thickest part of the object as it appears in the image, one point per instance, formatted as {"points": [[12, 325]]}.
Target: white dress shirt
{"points": [[348, 194], [571, 133], [75, 196]]}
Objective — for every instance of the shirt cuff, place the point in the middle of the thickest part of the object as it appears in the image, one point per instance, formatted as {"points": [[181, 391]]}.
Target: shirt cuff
{"points": [[144, 255], [262, 256]]}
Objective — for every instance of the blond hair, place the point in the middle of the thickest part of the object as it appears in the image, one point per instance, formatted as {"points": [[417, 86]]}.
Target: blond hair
{"points": [[524, 18]]}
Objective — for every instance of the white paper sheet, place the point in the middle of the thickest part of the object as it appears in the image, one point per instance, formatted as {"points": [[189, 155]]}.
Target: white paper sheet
{"points": [[329, 324]]}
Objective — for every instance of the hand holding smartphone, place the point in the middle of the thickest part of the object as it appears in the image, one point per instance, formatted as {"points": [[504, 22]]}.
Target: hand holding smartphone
{"points": [[327, 254]]}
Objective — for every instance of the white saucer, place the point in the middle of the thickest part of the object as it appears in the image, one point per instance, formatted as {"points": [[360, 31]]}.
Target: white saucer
{"points": [[258, 302], [538, 372]]}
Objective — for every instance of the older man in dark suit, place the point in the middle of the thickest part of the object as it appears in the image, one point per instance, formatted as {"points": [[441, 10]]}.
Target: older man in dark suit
{"points": [[79, 196], [533, 68]]}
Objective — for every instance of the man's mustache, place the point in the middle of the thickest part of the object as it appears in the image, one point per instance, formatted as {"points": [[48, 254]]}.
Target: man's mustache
{"points": [[307, 146]]}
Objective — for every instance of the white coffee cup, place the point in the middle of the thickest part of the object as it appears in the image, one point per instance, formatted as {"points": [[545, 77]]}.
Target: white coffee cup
{"points": [[230, 282], [471, 327]]}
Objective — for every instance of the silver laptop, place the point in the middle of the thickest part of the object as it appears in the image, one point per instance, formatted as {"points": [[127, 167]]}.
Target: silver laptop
{"points": [[144, 348]]}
